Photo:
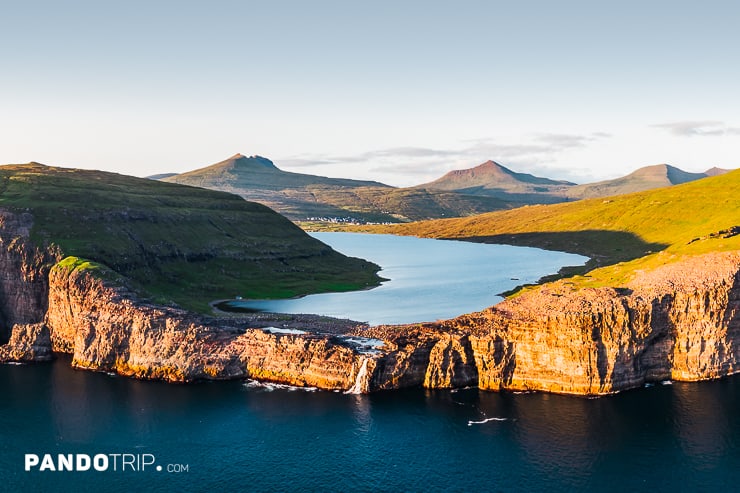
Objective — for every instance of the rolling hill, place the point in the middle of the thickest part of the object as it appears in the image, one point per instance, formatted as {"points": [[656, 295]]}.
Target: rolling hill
{"points": [[621, 234], [647, 178], [300, 196], [178, 244]]}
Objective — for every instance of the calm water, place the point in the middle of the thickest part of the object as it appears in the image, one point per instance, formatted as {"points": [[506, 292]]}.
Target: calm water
{"points": [[429, 279], [680, 437]]}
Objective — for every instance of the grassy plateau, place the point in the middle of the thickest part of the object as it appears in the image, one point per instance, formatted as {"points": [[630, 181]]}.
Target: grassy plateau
{"points": [[177, 244]]}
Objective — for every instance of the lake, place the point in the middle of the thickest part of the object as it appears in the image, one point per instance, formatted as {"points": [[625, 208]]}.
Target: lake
{"points": [[237, 436], [428, 279]]}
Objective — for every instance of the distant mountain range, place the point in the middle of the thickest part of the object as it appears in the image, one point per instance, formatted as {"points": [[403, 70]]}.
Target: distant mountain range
{"points": [[484, 188], [300, 196]]}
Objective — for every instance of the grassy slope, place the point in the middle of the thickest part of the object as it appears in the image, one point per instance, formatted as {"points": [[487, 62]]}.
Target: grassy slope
{"points": [[180, 244], [622, 233]]}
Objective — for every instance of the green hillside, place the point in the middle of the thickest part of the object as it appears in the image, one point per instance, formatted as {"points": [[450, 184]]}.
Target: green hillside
{"points": [[179, 244], [620, 233]]}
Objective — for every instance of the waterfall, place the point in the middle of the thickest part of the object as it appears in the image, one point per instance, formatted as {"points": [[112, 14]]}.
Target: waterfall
{"points": [[362, 382]]}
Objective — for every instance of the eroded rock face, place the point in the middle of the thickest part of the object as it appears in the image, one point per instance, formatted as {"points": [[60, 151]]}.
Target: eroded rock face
{"points": [[23, 273], [28, 342], [681, 321]]}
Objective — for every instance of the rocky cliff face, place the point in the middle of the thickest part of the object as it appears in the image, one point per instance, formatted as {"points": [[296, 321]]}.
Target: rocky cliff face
{"points": [[680, 322], [23, 273]]}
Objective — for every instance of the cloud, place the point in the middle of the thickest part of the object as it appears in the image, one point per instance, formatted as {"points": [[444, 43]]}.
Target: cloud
{"points": [[705, 128], [417, 164], [305, 162]]}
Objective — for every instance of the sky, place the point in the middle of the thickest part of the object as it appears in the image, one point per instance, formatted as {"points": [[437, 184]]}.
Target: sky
{"points": [[395, 91]]}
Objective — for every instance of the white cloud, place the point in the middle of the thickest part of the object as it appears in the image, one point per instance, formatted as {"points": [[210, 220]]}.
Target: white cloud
{"points": [[415, 165], [705, 128]]}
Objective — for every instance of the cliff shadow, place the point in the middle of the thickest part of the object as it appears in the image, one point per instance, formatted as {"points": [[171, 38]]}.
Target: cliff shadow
{"points": [[731, 320], [601, 246]]}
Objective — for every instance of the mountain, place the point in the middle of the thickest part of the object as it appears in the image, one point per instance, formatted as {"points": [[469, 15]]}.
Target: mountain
{"points": [[241, 173], [716, 171], [177, 243], [493, 180], [160, 176], [649, 177], [300, 196], [484, 188], [684, 219]]}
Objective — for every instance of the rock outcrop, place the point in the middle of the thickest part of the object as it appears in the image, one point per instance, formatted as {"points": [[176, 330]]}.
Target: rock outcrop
{"points": [[680, 321], [24, 272], [28, 342]]}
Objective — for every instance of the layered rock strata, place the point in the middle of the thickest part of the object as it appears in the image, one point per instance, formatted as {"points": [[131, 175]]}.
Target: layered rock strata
{"points": [[681, 322]]}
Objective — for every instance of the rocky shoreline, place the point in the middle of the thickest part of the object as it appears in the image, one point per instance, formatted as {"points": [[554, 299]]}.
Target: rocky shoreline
{"points": [[680, 322]]}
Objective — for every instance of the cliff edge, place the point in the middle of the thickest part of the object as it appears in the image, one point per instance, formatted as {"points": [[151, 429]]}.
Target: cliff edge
{"points": [[676, 318], [679, 322]]}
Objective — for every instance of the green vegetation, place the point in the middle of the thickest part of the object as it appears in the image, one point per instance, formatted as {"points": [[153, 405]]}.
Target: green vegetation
{"points": [[621, 234], [178, 244]]}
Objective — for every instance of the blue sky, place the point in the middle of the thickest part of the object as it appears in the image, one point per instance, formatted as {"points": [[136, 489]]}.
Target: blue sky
{"points": [[399, 92]]}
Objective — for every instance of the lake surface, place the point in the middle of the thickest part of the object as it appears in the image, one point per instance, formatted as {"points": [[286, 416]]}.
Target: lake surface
{"points": [[233, 436], [429, 279]]}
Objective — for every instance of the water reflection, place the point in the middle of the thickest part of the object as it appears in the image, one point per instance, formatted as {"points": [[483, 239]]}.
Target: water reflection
{"points": [[702, 424]]}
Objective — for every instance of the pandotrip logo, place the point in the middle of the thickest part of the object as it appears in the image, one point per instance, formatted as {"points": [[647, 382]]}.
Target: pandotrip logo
{"points": [[122, 462]]}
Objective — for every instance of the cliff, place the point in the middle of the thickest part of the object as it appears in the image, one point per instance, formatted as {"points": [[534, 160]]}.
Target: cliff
{"points": [[23, 273], [680, 321]]}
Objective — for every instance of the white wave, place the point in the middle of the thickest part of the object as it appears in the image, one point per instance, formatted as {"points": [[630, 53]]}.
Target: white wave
{"points": [[278, 330], [471, 423], [364, 345], [15, 363], [271, 386], [666, 382]]}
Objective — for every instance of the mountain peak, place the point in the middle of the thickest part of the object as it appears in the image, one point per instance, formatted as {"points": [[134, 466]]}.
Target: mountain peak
{"points": [[665, 175], [715, 171], [256, 161], [494, 180]]}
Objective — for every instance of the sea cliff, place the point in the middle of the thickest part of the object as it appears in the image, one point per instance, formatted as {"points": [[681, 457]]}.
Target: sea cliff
{"points": [[680, 321]]}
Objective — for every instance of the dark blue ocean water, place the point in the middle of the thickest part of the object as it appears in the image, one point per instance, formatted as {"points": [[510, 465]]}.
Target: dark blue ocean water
{"points": [[233, 437]]}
